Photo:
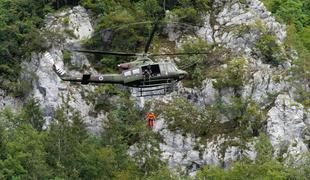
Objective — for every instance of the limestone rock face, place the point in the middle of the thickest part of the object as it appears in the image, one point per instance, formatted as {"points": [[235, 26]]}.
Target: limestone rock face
{"points": [[75, 23], [7, 101], [237, 26], [286, 125], [188, 153], [264, 82], [48, 88], [204, 96], [232, 24]]}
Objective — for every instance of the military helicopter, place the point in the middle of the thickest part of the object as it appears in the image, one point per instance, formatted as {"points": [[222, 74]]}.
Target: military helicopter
{"points": [[143, 73]]}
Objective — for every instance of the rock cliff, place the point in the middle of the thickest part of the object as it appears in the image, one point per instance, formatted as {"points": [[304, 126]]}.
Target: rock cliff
{"points": [[232, 24]]}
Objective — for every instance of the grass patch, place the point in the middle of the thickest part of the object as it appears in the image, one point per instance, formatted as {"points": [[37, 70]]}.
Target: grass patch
{"points": [[70, 33]]}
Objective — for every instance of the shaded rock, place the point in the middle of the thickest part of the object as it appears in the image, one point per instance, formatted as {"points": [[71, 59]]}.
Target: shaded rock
{"points": [[7, 101]]}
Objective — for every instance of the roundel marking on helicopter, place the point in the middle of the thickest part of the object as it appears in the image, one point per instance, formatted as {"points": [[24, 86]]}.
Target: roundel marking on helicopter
{"points": [[100, 78]]}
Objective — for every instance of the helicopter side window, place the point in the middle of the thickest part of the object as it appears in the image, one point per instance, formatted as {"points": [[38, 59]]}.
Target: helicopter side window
{"points": [[127, 73], [174, 67], [171, 68], [136, 72]]}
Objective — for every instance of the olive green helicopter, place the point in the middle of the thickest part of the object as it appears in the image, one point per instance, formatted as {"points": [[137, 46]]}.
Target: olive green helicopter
{"points": [[143, 73]]}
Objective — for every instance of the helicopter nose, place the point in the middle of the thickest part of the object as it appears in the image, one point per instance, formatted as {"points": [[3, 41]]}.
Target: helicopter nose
{"points": [[184, 74]]}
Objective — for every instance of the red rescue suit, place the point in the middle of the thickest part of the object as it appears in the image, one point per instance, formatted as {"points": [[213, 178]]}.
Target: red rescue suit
{"points": [[150, 118]]}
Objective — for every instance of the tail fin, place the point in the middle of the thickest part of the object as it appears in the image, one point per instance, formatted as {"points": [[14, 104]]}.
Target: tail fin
{"points": [[48, 56], [59, 71]]}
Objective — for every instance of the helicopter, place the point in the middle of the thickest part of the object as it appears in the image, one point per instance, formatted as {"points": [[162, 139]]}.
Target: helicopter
{"points": [[143, 73]]}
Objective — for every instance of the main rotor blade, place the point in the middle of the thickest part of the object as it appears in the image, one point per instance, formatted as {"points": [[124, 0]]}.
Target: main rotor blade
{"points": [[105, 52], [147, 46], [179, 54], [160, 23]]}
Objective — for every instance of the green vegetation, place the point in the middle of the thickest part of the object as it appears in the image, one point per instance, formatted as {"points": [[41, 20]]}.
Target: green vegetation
{"points": [[66, 57], [20, 35], [234, 76], [19, 27], [265, 167], [70, 33], [19, 88], [66, 21], [67, 151], [190, 11], [296, 14], [102, 99], [117, 19], [206, 65], [185, 117], [270, 50], [195, 65], [246, 120]]}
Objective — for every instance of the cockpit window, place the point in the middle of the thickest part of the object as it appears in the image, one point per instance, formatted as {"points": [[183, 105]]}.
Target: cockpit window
{"points": [[175, 68], [171, 68]]}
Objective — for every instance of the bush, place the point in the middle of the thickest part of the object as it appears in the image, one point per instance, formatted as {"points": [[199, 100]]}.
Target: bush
{"points": [[301, 66], [264, 167], [195, 65], [70, 33], [296, 14], [66, 21], [21, 88], [233, 76], [183, 116], [270, 49], [31, 113], [303, 97], [245, 117], [188, 15], [19, 27], [66, 57], [101, 97], [305, 37]]}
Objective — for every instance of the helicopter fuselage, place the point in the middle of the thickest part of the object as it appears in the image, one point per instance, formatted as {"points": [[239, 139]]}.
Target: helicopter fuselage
{"points": [[150, 75]]}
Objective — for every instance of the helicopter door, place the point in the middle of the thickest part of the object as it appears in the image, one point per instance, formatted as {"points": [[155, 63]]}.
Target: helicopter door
{"points": [[151, 70]]}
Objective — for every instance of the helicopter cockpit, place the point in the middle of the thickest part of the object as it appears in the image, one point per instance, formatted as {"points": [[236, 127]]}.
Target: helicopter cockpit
{"points": [[151, 70]]}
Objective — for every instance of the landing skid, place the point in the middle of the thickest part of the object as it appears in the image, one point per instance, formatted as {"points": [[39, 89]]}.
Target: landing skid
{"points": [[159, 90]]}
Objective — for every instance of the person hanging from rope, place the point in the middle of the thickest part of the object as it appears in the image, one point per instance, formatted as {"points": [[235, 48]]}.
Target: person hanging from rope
{"points": [[151, 119]]}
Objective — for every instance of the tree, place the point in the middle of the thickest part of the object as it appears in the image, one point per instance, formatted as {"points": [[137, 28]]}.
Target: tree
{"points": [[270, 49], [31, 113], [22, 150], [264, 167], [184, 116], [234, 76]]}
